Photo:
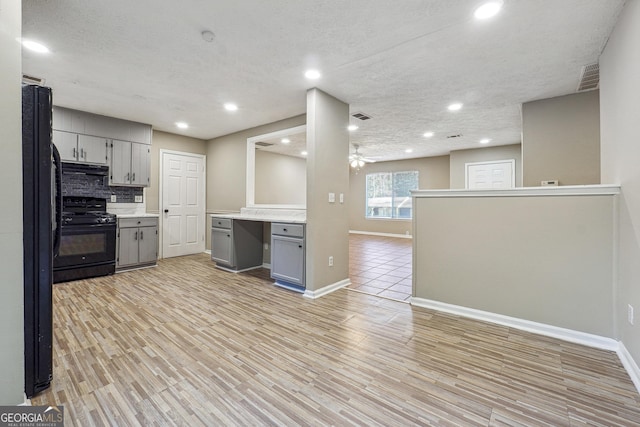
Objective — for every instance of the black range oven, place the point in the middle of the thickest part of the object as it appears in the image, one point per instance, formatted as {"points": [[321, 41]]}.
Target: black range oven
{"points": [[87, 240]]}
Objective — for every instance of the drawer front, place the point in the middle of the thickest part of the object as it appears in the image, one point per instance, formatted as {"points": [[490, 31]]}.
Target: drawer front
{"points": [[137, 222], [220, 222], [291, 230]]}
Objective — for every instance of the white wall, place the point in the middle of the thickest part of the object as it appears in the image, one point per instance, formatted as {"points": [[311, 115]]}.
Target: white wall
{"points": [[280, 179], [561, 140], [327, 171], [227, 165], [11, 279], [620, 154], [547, 259]]}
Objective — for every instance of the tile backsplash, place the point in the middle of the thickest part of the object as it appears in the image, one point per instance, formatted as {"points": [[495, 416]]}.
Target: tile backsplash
{"points": [[97, 186]]}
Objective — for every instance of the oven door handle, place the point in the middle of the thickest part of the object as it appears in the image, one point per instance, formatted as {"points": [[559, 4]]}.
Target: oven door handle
{"points": [[58, 214]]}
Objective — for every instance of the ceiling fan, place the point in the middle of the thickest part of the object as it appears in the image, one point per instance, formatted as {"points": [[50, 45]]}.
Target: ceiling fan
{"points": [[357, 160]]}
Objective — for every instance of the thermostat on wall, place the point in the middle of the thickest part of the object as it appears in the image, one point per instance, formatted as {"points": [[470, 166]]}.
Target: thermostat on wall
{"points": [[552, 183]]}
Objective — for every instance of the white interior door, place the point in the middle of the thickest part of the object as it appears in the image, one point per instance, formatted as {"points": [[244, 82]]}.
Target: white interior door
{"points": [[491, 175], [182, 203]]}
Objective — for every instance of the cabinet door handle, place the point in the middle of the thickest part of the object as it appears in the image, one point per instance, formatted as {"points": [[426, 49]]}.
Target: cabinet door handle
{"points": [[126, 177], [74, 152], [83, 153], [300, 246], [133, 177], [228, 235], [284, 229], [141, 235], [135, 237]]}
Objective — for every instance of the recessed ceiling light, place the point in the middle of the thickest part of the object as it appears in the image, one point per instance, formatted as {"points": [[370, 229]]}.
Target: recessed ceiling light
{"points": [[312, 74], [35, 46], [455, 107], [352, 127], [428, 134], [285, 140], [488, 9], [409, 150], [229, 106], [304, 153], [485, 141], [182, 125]]}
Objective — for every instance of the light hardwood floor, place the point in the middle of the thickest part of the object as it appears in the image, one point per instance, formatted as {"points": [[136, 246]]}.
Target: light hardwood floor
{"points": [[187, 344]]}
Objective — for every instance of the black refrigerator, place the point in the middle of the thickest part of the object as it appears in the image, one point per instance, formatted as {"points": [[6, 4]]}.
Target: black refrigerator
{"points": [[42, 209]]}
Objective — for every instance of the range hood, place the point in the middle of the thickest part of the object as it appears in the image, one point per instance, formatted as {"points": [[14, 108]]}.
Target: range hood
{"points": [[84, 169]]}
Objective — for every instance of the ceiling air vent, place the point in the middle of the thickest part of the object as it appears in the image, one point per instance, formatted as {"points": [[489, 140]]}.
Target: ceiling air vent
{"points": [[263, 144], [454, 136], [30, 80], [361, 116], [590, 78]]}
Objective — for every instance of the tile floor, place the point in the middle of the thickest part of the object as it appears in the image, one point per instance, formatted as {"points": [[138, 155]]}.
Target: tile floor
{"points": [[380, 265]]}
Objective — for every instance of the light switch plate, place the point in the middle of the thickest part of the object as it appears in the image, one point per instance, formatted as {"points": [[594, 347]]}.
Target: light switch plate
{"points": [[113, 198], [138, 199], [332, 197], [341, 197]]}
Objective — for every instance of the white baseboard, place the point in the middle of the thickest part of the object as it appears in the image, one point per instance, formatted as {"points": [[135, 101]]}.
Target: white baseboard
{"points": [[327, 289], [266, 265], [570, 335], [207, 251], [629, 364], [25, 402], [374, 233]]}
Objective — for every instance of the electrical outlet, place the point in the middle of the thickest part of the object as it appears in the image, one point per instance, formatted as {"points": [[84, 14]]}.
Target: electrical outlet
{"points": [[138, 199], [266, 246], [330, 261], [630, 314], [113, 198]]}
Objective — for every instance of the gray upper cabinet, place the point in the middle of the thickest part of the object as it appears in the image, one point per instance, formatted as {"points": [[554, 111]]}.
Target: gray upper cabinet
{"points": [[130, 163], [67, 144], [120, 167], [92, 149], [140, 164], [68, 120], [81, 148], [91, 138]]}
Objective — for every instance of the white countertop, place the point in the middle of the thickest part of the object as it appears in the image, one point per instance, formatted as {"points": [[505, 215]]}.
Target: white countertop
{"points": [[144, 215], [563, 190], [296, 216]]}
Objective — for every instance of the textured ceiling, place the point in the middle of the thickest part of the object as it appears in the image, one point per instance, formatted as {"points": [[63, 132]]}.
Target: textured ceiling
{"points": [[401, 62]]}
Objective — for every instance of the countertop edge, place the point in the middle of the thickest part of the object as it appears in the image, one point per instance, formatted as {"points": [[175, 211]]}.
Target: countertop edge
{"points": [[261, 218], [566, 190]]}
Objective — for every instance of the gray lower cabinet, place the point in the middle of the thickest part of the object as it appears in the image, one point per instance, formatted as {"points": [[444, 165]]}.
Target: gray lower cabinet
{"points": [[137, 242], [288, 254], [236, 245]]}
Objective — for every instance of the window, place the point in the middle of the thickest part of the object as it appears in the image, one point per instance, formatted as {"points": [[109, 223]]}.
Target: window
{"points": [[389, 194]]}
